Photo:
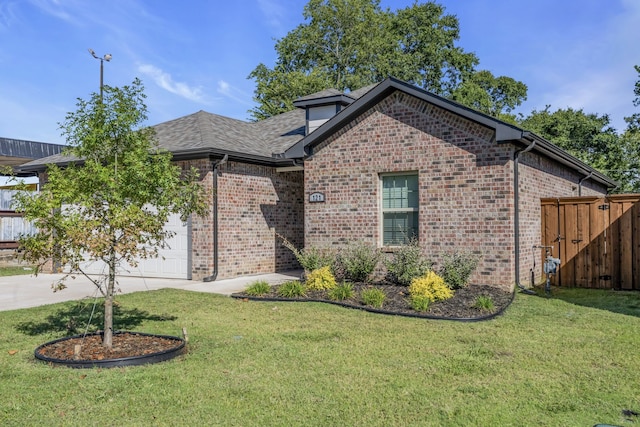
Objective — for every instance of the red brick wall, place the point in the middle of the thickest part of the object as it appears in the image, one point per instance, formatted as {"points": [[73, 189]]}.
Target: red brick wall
{"points": [[465, 183], [255, 203], [202, 227]]}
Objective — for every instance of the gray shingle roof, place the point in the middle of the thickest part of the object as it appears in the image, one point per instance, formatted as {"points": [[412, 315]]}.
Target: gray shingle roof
{"points": [[322, 94], [203, 131]]}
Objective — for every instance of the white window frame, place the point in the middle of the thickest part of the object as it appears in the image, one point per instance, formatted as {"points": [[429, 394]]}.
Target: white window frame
{"points": [[408, 209]]}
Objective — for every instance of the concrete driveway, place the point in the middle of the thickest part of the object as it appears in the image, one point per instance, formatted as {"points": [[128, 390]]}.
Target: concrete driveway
{"points": [[31, 291]]}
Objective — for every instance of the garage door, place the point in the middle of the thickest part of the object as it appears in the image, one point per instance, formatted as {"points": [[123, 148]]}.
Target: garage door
{"points": [[175, 264]]}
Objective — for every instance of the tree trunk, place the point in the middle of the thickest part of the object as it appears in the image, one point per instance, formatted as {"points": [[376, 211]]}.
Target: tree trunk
{"points": [[107, 340]]}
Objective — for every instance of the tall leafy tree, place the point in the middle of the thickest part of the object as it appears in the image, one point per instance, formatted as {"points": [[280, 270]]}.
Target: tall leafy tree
{"points": [[633, 121], [349, 44], [592, 139], [495, 96], [113, 199], [589, 137]]}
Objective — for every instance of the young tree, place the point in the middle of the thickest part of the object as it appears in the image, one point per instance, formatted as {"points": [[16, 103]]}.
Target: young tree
{"points": [[112, 199], [349, 44]]}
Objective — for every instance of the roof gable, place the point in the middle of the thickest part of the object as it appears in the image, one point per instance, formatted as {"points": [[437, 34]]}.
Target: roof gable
{"points": [[504, 132]]}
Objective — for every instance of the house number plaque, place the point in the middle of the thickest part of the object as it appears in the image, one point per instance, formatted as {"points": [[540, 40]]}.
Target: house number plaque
{"points": [[316, 198]]}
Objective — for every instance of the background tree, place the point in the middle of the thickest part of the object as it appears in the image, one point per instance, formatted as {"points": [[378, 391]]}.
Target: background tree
{"points": [[495, 96], [590, 138], [633, 121], [112, 201], [349, 44]]}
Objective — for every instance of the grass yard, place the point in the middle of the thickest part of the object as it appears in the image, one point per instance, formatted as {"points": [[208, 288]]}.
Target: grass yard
{"points": [[571, 360], [15, 270]]}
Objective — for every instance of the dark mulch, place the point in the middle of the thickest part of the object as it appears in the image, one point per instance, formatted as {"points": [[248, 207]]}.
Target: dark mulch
{"points": [[125, 344], [461, 306]]}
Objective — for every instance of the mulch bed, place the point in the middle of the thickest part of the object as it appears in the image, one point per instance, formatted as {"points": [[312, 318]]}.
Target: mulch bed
{"points": [[460, 307], [125, 344]]}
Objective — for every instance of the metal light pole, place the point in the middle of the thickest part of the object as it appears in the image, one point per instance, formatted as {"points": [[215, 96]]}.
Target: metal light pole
{"points": [[107, 58]]}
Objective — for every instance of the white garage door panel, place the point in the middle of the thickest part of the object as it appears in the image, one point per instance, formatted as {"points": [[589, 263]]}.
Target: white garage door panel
{"points": [[175, 264]]}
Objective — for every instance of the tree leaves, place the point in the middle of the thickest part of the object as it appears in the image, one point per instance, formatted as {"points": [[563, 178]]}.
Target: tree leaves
{"points": [[112, 200], [349, 44]]}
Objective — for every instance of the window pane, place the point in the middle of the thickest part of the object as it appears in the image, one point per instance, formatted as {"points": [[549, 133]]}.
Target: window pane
{"points": [[399, 192], [399, 228]]}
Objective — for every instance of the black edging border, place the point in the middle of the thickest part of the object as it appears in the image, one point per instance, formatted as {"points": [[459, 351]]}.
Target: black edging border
{"points": [[381, 311], [144, 359]]}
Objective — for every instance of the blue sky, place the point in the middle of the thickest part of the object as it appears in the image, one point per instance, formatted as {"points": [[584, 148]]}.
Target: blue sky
{"points": [[196, 55]]}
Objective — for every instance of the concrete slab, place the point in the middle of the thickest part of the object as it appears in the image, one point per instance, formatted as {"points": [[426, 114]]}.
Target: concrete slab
{"points": [[31, 291]]}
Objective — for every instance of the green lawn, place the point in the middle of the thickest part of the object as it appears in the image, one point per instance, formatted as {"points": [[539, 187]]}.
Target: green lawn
{"points": [[571, 360], [15, 270]]}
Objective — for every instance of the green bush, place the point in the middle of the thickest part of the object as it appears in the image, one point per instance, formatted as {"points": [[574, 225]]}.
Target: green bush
{"points": [[484, 303], [373, 297], [291, 289], [359, 260], [456, 268], [430, 286], [407, 263], [258, 288], [341, 292], [420, 303], [310, 258], [321, 279]]}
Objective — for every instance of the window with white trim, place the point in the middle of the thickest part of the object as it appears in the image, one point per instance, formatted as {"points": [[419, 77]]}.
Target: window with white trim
{"points": [[399, 208]]}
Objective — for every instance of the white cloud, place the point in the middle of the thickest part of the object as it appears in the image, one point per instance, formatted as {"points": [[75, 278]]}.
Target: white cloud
{"points": [[165, 81], [54, 8], [7, 14], [231, 92], [274, 13]]}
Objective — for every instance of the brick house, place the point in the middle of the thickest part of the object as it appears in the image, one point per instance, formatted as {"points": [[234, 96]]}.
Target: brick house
{"points": [[381, 165]]}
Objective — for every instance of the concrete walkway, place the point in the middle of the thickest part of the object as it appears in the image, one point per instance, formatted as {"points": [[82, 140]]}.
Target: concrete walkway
{"points": [[31, 291]]}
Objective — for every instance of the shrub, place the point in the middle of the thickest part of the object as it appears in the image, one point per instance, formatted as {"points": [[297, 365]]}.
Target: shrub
{"points": [[359, 261], [420, 303], [430, 286], [373, 297], [310, 258], [484, 303], [320, 279], [341, 292], [257, 288], [407, 263], [457, 267], [291, 289]]}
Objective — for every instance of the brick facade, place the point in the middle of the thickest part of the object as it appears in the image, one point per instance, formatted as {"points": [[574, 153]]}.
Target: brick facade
{"points": [[466, 197], [254, 204], [202, 227]]}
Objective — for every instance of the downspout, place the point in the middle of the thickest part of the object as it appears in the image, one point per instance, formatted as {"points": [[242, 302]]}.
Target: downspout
{"points": [[216, 165], [516, 214], [583, 180]]}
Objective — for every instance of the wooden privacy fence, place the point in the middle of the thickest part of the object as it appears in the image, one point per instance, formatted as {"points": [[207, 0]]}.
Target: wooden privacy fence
{"points": [[596, 238]]}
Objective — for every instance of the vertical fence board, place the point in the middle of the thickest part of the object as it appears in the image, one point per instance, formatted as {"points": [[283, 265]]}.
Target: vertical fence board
{"points": [[551, 229], [615, 212], [635, 238], [625, 243], [599, 246], [591, 245]]}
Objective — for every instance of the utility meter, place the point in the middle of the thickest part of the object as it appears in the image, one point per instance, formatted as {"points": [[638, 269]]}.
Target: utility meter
{"points": [[551, 265]]}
